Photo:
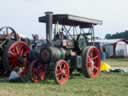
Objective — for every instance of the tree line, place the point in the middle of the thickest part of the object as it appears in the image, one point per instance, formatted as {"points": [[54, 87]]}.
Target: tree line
{"points": [[118, 35]]}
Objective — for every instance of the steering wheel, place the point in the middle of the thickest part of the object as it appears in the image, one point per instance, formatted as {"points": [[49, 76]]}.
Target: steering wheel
{"points": [[7, 32]]}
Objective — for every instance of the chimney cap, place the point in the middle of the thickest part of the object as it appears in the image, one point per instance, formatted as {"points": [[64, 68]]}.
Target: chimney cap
{"points": [[48, 12]]}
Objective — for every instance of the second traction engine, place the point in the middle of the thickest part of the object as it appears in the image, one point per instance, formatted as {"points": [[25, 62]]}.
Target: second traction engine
{"points": [[66, 50]]}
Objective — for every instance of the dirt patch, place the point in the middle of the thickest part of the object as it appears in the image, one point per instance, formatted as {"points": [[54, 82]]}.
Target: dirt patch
{"points": [[7, 92]]}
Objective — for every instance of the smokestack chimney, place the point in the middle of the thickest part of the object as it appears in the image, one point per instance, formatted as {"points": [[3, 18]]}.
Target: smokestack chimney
{"points": [[49, 16]]}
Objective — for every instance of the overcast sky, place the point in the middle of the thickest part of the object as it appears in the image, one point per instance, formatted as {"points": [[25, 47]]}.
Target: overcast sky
{"points": [[23, 15]]}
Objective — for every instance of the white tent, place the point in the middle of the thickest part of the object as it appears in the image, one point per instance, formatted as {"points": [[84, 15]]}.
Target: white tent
{"points": [[114, 47]]}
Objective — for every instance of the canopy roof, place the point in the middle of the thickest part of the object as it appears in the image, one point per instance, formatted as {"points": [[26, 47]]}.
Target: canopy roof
{"points": [[71, 20]]}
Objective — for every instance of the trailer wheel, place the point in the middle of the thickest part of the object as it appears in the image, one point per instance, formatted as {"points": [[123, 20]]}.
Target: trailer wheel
{"points": [[16, 55], [37, 71], [91, 62], [61, 72]]}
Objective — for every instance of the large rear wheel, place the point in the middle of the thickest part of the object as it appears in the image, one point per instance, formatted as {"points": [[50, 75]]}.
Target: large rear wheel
{"points": [[16, 55], [91, 62]]}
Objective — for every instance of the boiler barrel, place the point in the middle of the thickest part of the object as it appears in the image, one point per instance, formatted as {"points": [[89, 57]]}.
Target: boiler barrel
{"points": [[49, 54]]}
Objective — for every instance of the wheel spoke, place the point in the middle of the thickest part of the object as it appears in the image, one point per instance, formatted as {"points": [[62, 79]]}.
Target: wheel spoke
{"points": [[25, 53], [60, 77], [12, 52], [17, 50], [35, 74], [89, 58], [95, 57], [65, 75], [89, 61], [21, 52], [42, 73], [58, 73], [90, 70], [96, 68], [6, 30]]}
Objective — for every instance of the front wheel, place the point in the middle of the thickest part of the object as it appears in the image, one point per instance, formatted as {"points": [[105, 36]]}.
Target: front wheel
{"points": [[61, 72], [91, 62]]}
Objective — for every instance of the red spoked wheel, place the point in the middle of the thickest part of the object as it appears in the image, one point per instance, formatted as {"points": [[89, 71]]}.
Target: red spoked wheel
{"points": [[18, 53], [37, 71], [91, 62], [61, 72]]}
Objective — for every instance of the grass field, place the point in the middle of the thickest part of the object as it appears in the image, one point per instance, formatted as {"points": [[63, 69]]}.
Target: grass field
{"points": [[119, 62], [108, 84]]}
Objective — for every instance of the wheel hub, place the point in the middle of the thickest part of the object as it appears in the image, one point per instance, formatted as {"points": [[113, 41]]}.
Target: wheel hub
{"points": [[63, 71]]}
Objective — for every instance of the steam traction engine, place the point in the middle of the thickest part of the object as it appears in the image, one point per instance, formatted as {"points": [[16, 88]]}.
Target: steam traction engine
{"points": [[14, 51], [67, 48]]}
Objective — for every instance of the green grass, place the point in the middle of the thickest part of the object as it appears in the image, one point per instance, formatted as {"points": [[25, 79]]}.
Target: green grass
{"points": [[118, 62], [107, 84]]}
